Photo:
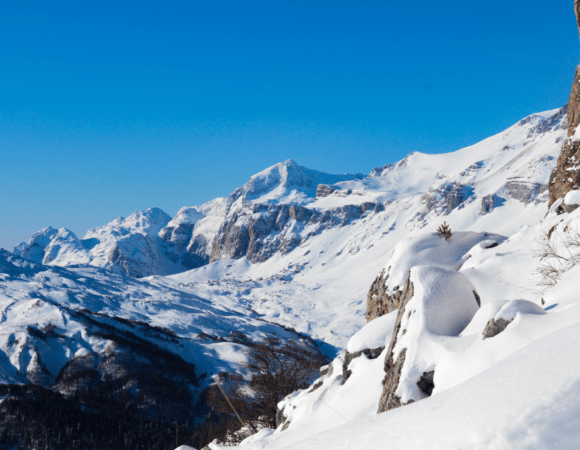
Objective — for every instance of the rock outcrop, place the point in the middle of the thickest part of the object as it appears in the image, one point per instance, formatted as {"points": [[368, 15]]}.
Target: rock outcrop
{"points": [[443, 306], [495, 327], [323, 190], [380, 302], [261, 230], [523, 191], [489, 203], [447, 197], [566, 175]]}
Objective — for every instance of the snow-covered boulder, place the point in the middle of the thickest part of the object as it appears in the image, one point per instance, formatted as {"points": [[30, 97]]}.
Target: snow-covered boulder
{"points": [[440, 303], [507, 314], [385, 294]]}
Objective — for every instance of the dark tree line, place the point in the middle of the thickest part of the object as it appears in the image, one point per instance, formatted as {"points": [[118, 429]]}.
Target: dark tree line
{"points": [[140, 396]]}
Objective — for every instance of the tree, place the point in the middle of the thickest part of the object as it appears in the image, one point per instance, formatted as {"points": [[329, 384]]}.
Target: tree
{"points": [[278, 370], [445, 231]]}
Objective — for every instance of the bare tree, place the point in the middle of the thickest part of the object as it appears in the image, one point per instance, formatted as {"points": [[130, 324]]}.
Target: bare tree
{"points": [[278, 370], [557, 255]]}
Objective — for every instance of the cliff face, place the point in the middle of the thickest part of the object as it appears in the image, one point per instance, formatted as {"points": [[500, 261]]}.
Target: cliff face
{"points": [[566, 175]]}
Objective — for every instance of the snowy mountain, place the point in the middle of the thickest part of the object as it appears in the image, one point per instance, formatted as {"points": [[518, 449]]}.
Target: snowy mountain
{"points": [[282, 207], [308, 256], [125, 245]]}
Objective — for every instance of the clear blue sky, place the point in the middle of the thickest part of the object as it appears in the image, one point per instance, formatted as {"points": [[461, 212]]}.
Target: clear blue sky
{"points": [[108, 107]]}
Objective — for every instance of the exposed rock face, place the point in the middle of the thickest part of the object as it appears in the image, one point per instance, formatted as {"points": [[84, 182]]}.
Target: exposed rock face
{"points": [[495, 327], [565, 208], [263, 230], [566, 175], [138, 255], [262, 217], [389, 400], [379, 302], [488, 203], [280, 417], [447, 197], [323, 190], [523, 191], [371, 353]]}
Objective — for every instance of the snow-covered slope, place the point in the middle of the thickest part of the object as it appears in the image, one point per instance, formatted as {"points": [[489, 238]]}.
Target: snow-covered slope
{"points": [[49, 313], [512, 389], [324, 251], [300, 248]]}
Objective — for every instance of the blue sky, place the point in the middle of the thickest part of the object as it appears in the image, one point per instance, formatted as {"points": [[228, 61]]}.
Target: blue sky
{"points": [[111, 107]]}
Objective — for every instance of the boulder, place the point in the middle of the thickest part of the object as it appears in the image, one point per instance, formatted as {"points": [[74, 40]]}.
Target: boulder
{"points": [[442, 303]]}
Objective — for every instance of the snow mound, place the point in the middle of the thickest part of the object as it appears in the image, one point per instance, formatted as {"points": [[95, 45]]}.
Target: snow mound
{"points": [[572, 198], [374, 334], [432, 249], [443, 299], [509, 311]]}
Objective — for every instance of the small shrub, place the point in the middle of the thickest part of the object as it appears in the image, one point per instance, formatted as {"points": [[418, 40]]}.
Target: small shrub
{"points": [[445, 231], [557, 255]]}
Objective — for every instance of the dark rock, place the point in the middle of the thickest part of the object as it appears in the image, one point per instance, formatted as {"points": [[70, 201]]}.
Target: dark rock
{"points": [[477, 299], [389, 400], [368, 206], [564, 208], [566, 177], [495, 327], [447, 197], [425, 383], [263, 230], [348, 357], [379, 302], [524, 191], [315, 386], [489, 203], [280, 417], [323, 190]]}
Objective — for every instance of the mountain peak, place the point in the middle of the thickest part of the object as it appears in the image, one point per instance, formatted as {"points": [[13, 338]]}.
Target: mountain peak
{"points": [[287, 182]]}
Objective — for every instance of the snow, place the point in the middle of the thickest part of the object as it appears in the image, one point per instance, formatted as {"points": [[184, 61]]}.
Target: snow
{"points": [[510, 309], [443, 304], [510, 406], [516, 390], [433, 249], [374, 334], [572, 198]]}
